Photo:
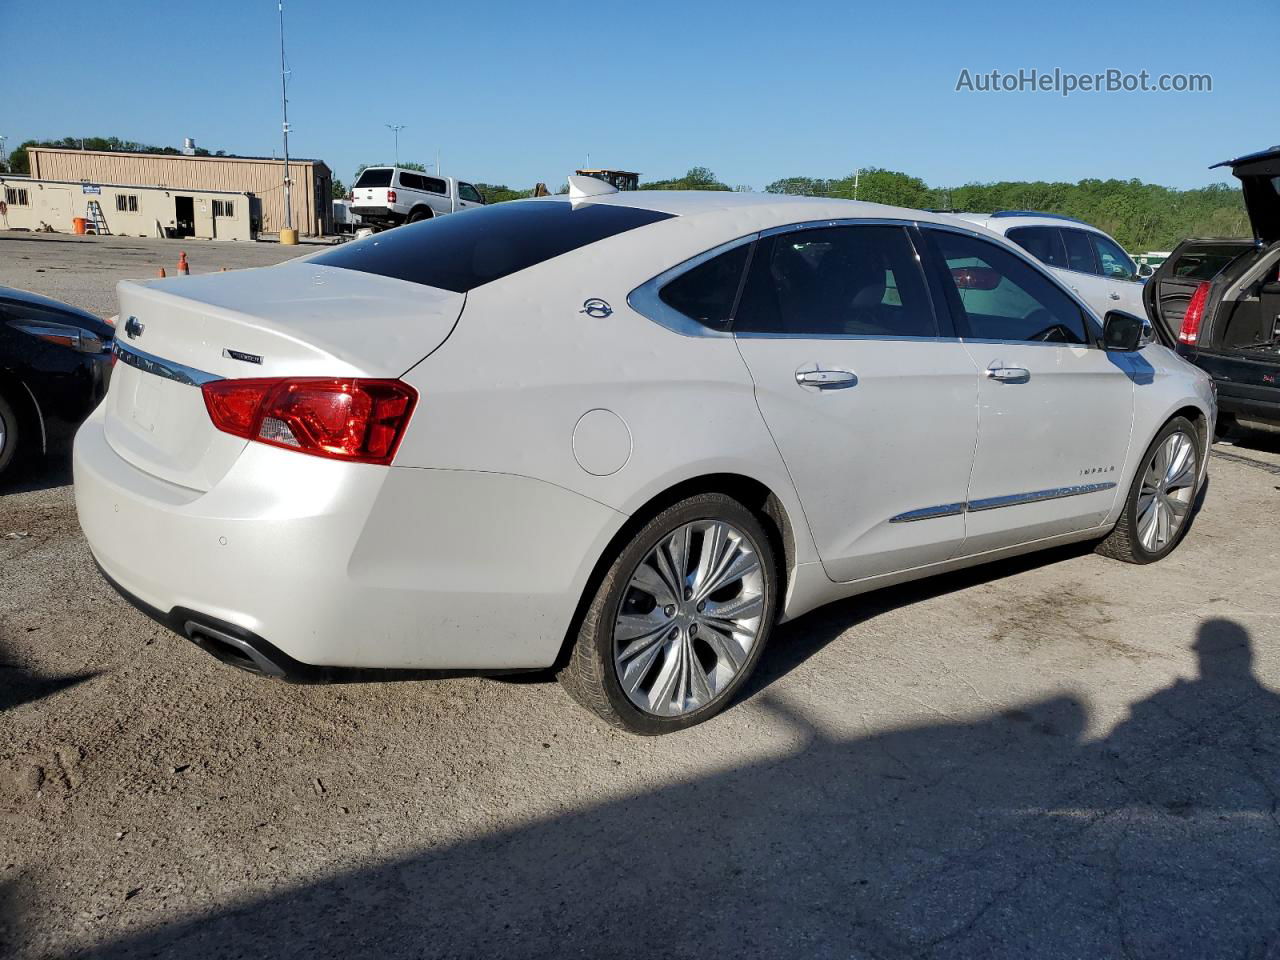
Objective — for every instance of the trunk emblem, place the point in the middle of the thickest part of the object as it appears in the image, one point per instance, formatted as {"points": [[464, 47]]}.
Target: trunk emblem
{"points": [[238, 355], [597, 308], [133, 328]]}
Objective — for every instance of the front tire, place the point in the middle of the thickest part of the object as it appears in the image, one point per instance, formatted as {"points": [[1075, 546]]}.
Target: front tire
{"points": [[10, 435], [1161, 500], [679, 620]]}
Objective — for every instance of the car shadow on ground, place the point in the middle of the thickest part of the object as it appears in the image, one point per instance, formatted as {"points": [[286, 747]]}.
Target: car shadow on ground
{"points": [[19, 685], [37, 473], [1011, 834]]}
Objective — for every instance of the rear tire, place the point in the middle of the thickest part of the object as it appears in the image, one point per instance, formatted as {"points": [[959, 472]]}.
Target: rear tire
{"points": [[1161, 500], [10, 435], [418, 215], [705, 644]]}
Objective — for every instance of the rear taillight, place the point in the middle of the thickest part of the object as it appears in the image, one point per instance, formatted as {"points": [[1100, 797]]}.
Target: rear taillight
{"points": [[343, 418], [391, 196], [1190, 331]]}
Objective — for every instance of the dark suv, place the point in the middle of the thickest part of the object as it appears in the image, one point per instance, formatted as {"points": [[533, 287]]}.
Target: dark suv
{"points": [[1218, 300]]}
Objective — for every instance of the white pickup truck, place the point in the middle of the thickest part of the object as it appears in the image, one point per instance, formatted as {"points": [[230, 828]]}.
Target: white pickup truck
{"points": [[389, 196]]}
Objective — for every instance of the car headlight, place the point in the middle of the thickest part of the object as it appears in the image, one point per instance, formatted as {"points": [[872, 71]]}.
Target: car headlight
{"points": [[64, 335]]}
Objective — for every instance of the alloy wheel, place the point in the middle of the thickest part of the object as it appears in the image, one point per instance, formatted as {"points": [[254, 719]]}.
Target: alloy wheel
{"points": [[1167, 491], [689, 619]]}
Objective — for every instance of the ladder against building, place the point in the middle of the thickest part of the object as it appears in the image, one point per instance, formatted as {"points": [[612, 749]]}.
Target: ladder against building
{"points": [[96, 218]]}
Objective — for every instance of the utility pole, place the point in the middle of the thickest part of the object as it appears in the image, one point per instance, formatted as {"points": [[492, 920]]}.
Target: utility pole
{"points": [[856, 174], [395, 128], [284, 109]]}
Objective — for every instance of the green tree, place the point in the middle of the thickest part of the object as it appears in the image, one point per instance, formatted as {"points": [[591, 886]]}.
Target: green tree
{"points": [[698, 178], [338, 189]]}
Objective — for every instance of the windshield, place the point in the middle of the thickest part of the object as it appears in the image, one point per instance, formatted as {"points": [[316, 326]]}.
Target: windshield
{"points": [[375, 177]]}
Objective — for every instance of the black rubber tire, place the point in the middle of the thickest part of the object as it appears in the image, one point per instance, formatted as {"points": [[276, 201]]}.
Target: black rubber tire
{"points": [[419, 215], [1225, 426], [1122, 542], [12, 435], [589, 674]]}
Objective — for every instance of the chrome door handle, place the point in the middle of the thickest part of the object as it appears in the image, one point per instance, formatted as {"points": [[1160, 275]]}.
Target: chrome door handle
{"points": [[826, 379], [1113, 295], [1009, 374]]}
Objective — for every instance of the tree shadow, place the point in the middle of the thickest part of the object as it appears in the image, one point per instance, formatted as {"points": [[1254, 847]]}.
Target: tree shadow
{"points": [[1007, 835]]}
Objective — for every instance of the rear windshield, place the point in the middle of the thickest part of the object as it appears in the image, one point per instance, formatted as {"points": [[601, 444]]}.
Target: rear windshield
{"points": [[375, 177], [464, 250], [1205, 262]]}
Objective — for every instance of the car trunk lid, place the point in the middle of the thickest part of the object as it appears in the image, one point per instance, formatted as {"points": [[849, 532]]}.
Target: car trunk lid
{"points": [[1259, 176], [293, 320]]}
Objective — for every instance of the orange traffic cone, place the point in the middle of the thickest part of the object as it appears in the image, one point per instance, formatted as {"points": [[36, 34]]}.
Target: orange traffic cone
{"points": [[183, 266], [161, 273]]}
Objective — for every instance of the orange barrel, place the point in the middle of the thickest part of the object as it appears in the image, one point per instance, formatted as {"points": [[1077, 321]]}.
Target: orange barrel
{"points": [[78, 224]]}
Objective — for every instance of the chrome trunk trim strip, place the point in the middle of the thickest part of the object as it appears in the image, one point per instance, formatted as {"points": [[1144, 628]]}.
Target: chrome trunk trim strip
{"points": [[169, 369]]}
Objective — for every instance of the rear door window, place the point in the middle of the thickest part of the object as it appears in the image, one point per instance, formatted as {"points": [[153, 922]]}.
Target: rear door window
{"points": [[1079, 251], [462, 253], [838, 281], [1043, 243], [997, 296], [375, 177]]}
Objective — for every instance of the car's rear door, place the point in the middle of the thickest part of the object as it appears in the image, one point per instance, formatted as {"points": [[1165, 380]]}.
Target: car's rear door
{"points": [[1055, 411], [872, 406]]}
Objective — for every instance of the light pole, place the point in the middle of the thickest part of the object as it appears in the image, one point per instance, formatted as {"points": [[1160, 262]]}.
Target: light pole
{"points": [[395, 129], [284, 109], [4, 156]]}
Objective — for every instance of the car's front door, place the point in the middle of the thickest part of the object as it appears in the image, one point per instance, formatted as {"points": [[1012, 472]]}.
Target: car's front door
{"points": [[873, 410], [1055, 411]]}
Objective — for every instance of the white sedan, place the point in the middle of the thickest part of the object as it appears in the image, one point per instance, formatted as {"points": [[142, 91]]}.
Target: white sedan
{"points": [[618, 434]]}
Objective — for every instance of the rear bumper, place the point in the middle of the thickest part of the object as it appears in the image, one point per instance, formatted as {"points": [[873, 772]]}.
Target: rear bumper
{"points": [[379, 215], [315, 564]]}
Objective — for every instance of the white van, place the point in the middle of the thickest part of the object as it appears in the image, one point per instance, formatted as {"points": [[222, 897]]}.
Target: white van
{"points": [[389, 196]]}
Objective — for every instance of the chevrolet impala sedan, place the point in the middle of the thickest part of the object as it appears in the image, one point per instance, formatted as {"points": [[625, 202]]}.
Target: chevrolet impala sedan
{"points": [[621, 435]]}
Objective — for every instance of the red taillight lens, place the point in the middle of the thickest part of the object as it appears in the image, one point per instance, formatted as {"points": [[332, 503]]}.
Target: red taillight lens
{"points": [[343, 418], [391, 196], [1190, 331]]}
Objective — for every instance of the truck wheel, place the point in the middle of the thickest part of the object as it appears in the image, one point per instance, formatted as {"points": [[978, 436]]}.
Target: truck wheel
{"points": [[419, 214], [9, 435]]}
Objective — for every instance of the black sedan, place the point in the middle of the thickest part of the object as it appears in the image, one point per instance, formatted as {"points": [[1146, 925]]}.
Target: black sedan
{"points": [[55, 361]]}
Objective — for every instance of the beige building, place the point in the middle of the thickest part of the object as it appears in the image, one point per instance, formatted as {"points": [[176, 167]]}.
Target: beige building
{"points": [[183, 174], [126, 210]]}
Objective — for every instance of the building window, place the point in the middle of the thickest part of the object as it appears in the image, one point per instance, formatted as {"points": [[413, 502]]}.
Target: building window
{"points": [[223, 208], [15, 197], [127, 202]]}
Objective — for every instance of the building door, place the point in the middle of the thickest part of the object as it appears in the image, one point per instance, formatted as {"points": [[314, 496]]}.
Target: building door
{"points": [[184, 215], [58, 209], [204, 220]]}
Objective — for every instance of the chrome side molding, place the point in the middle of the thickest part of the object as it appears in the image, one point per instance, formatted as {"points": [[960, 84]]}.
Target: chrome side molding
{"points": [[995, 503]]}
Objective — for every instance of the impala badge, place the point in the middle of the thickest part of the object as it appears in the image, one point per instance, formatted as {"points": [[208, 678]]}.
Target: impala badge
{"points": [[237, 355], [133, 328]]}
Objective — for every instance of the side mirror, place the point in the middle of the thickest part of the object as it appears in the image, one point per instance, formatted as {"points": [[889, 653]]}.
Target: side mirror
{"points": [[1122, 332], [1146, 270]]}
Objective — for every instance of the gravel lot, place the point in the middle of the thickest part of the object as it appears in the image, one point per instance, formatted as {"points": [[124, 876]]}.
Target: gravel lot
{"points": [[1061, 756]]}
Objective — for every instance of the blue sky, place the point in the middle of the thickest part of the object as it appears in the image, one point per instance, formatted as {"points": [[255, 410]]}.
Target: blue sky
{"points": [[515, 93]]}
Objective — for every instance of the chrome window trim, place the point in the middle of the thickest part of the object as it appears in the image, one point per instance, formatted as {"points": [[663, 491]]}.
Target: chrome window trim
{"points": [[168, 369], [996, 503]]}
